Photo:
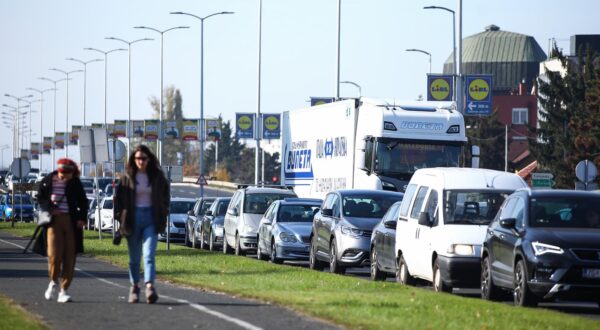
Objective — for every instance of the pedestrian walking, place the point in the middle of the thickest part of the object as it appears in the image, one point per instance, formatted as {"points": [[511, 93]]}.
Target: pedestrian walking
{"points": [[62, 195], [142, 202]]}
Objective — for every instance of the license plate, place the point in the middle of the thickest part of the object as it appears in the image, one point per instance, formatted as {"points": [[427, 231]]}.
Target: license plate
{"points": [[590, 273]]}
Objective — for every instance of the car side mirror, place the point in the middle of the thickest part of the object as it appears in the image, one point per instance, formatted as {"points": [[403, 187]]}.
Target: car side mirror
{"points": [[209, 213], [190, 212], [508, 223], [390, 224], [327, 212], [267, 222], [233, 212], [424, 219]]}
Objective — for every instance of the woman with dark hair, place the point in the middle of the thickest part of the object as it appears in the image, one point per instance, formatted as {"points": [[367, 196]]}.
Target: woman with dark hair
{"points": [[61, 194], [142, 202]]}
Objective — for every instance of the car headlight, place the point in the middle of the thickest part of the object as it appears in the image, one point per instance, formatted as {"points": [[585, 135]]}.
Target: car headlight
{"points": [[287, 237], [541, 248], [351, 231], [248, 229], [461, 249]]}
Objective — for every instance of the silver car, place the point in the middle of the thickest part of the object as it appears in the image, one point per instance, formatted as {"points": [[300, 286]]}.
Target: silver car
{"points": [[341, 231], [284, 230]]}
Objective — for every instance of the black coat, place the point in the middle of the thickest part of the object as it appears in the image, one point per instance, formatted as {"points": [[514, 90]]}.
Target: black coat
{"points": [[76, 199]]}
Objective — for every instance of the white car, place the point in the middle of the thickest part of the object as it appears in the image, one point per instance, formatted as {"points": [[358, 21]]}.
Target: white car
{"points": [[442, 224], [178, 214], [105, 214]]}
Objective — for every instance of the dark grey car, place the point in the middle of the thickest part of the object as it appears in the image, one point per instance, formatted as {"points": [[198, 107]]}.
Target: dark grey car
{"points": [[195, 214], [383, 243], [209, 229], [341, 231]]}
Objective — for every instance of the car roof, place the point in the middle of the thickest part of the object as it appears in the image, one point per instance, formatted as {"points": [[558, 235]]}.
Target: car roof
{"points": [[182, 199], [558, 193], [456, 178], [368, 192], [208, 199], [267, 190], [301, 201]]}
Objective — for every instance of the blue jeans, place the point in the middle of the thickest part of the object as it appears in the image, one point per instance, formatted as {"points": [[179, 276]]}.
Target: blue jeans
{"points": [[142, 239]]}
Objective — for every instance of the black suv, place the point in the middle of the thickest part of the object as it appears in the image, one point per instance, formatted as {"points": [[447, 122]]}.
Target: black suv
{"points": [[544, 245]]}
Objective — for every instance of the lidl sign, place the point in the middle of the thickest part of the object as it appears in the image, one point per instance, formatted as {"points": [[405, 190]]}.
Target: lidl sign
{"points": [[439, 87], [479, 95]]}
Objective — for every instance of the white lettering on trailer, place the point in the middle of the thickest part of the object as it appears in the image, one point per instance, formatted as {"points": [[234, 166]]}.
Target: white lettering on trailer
{"points": [[421, 125]]}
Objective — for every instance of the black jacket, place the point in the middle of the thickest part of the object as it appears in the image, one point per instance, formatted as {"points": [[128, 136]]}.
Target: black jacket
{"points": [[76, 199]]}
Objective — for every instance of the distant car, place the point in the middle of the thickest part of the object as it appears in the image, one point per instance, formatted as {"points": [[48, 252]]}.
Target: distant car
{"points": [[341, 231], [284, 230], [543, 245], [209, 230], [200, 207], [105, 214], [88, 185], [21, 206], [102, 182], [91, 211], [179, 209], [383, 243]]}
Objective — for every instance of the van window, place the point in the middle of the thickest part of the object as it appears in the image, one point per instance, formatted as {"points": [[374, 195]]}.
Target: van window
{"points": [[416, 210], [408, 196], [472, 207], [432, 207]]}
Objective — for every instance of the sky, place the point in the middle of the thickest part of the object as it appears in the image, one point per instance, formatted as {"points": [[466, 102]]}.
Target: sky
{"points": [[298, 52]]}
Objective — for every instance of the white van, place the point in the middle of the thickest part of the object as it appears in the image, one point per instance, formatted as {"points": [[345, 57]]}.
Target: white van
{"points": [[442, 223]]}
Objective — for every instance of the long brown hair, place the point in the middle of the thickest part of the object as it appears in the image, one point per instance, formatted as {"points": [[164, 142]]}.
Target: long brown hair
{"points": [[152, 168]]}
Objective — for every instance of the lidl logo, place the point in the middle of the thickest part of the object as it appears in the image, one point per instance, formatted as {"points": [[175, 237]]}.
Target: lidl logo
{"points": [[440, 89], [479, 89], [244, 122], [271, 123]]}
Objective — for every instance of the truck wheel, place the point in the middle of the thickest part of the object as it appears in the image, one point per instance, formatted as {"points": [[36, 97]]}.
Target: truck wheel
{"points": [[334, 266], [438, 281], [376, 274], [313, 262], [402, 273], [488, 290]]}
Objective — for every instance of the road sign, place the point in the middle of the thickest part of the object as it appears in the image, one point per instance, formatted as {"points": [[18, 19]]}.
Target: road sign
{"points": [[20, 167], [542, 180], [479, 95], [201, 180], [586, 171]]}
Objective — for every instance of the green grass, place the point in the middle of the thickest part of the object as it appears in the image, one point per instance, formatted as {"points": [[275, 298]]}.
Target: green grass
{"points": [[348, 301], [13, 316]]}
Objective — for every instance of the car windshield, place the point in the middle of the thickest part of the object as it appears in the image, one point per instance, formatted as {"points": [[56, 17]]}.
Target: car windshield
{"points": [[181, 207], [565, 212], [19, 199], [368, 206], [205, 206], [297, 213], [222, 208], [258, 203], [108, 204], [472, 207]]}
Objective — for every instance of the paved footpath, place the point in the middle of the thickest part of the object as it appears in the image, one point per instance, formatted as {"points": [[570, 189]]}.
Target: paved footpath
{"points": [[100, 290]]}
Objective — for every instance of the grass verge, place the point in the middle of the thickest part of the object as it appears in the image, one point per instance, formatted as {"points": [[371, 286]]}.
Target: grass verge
{"points": [[351, 302], [14, 316]]}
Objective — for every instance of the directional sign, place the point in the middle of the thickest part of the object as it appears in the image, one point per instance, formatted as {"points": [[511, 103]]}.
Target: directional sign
{"points": [[542, 180], [479, 95]]}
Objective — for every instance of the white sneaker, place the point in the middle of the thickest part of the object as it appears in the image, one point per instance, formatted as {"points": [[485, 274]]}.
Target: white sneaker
{"points": [[63, 297], [51, 291]]}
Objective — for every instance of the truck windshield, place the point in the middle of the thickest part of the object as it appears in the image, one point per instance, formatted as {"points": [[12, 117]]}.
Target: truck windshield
{"points": [[472, 207], [404, 157]]}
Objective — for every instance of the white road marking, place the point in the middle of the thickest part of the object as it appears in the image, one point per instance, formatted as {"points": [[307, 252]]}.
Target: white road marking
{"points": [[198, 307]]}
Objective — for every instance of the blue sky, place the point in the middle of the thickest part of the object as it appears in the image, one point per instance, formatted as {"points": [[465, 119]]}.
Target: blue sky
{"points": [[298, 50]]}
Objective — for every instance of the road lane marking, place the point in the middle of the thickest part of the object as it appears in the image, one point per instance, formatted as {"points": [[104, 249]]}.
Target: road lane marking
{"points": [[198, 307]]}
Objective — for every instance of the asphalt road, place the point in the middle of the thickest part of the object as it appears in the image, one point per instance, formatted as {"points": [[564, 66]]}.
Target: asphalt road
{"points": [[100, 290]]}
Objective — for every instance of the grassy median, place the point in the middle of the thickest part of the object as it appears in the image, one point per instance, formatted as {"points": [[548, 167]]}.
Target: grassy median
{"points": [[13, 316], [344, 300]]}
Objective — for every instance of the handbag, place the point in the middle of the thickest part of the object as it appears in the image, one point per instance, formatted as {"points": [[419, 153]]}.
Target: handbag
{"points": [[40, 244], [44, 218]]}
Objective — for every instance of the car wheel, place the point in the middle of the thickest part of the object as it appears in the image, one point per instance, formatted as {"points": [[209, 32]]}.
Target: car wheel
{"points": [[194, 238], [376, 274], [438, 281], [313, 262], [202, 244], [334, 266], [187, 242], [211, 241], [259, 252], [238, 246], [488, 290], [522, 295], [226, 248], [274, 258], [402, 274]]}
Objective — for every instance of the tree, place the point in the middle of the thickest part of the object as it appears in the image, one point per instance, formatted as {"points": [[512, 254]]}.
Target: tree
{"points": [[569, 119], [173, 110], [487, 133]]}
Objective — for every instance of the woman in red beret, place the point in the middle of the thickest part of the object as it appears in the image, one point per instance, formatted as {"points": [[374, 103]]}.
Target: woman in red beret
{"points": [[61, 193]]}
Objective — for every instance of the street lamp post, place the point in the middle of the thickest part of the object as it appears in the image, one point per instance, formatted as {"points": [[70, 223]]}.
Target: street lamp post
{"points": [[85, 63], [105, 74], [41, 92], [160, 115], [18, 99], [66, 73], [202, 85], [454, 64], [421, 51], [30, 112], [354, 84], [53, 119], [129, 43], [12, 117]]}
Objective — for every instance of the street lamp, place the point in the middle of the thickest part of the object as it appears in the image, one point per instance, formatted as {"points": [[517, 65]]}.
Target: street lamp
{"points": [[129, 43], [202, 85], [85, 63], [18, 99], [105, 73], [421, 51], [160, 115], [41, 118], [354, 84], [30, 112], [454, 64], [66, 73], [15, 121], [53, 118]]}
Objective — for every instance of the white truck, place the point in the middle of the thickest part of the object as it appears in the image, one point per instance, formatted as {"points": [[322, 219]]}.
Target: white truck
{"points": [[367, 144]]}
